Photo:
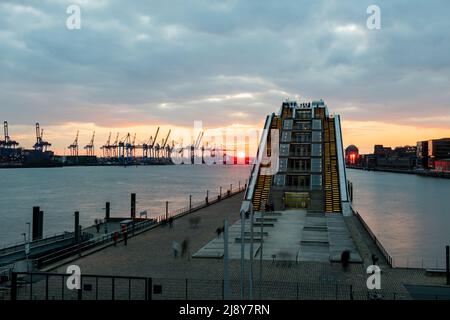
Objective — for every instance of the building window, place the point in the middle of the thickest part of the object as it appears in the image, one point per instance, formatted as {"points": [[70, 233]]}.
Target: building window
{"points": [[302, 138], [298, 181], [299, 165], [301, 150], [280, 180], [287, 124], [284, 149], [317, 136], [316, 181], [283, 164], [317, 124], [316, 150], [316, 165], [286, 136]]}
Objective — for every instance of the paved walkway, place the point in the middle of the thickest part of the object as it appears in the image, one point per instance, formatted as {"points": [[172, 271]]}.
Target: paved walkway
{"points": [[150, 255]]}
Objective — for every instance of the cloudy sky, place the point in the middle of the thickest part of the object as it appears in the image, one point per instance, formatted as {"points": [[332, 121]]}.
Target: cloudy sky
{"points": [[137, 64]]}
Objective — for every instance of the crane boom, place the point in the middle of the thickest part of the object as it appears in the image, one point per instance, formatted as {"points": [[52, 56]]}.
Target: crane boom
{"points": [[154, 139], [167, 138]]}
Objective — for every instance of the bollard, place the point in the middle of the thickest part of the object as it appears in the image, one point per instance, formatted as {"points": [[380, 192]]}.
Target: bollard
{"points": [[207, 196], [38, 223], [447, 263], [107, 211], [133, 205], [190, 203], [77, 227], [167, 210]]}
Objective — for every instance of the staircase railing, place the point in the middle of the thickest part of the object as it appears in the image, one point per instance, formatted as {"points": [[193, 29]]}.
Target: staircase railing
{"points": [[257, 163]]}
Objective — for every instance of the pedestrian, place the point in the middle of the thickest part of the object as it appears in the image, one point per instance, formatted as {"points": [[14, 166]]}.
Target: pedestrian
{"points": [[171, 222], [185, 249], [97, 225], [374, 259], [345, 259], [125, 238], [219, 232], [115, 237], [175, 249]]}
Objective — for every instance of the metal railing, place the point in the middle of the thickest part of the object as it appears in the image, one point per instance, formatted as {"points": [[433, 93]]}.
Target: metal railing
{"points": [[18, 246], [132, 230], [384, 252], [53, 286], [179, 212]]}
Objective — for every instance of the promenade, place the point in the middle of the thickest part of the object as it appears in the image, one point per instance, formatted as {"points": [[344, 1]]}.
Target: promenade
{"points": [[150, 255]]}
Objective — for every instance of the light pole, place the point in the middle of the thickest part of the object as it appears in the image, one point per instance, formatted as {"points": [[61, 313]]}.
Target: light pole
{"points": [[242, 252], [261, 251], [226, 276], [251, 252]]}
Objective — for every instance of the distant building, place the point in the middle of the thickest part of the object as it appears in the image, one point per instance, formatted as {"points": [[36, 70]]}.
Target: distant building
{"points": [[438, 149], [352, 155], [380, 150], [442, 165], [422, 154]]}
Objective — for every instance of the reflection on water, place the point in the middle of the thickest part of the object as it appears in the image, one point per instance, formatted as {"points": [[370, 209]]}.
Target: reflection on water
{"points": [[61, 191], [410, 214]]}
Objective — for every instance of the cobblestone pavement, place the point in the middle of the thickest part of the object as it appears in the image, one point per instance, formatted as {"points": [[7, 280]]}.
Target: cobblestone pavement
{"points": [[150, 254]]}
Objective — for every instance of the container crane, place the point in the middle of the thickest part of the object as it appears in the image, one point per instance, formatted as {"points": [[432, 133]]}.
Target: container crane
{"points": [[73, 148], [7, 143], [115, 146], [151, 147], [40, 144], [165, 141], [90, 149], [106, 148]]}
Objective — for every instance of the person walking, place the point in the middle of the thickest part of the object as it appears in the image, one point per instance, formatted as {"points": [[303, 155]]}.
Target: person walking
{"points": [[125, 238], [185, 249], [115, 237], [175, 249]]}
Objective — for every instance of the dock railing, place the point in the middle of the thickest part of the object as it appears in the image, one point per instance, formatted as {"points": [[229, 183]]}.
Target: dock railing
{"points": [[134, 229], [52, 286], [20, 245], [384, 252]]}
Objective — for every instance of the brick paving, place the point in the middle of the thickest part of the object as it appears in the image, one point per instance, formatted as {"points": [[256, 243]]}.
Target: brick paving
{"points": [[150, 255]]}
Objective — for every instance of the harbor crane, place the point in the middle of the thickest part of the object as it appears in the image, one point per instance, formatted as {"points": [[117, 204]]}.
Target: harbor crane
{"points": [[7, 143], [40, 144], [90, 149], [106, 148], [164, 142], [152, 146], [73, 148], [114, 147], [146, 146], [195, 146]]}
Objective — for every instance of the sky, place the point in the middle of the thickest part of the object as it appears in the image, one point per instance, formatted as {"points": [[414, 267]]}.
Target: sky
{"points": [[136, 65]]}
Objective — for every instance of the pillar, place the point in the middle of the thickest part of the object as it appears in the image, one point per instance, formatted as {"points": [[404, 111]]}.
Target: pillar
{"points": [[133, 205], [77, 227]]}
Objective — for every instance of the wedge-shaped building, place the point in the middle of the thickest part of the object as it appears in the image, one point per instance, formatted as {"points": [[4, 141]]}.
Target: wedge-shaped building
{"points": [[301, 163]]}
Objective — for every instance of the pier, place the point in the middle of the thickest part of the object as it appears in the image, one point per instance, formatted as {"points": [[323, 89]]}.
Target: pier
{"points": [[292, 234]]}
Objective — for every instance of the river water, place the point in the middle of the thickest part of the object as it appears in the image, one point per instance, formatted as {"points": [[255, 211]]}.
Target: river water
{"points": [[409, 214], [61, 191]]}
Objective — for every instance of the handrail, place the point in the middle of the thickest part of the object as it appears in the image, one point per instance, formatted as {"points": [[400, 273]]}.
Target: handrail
{"points": [[19, 246], [256, 166], [384, 252], [139, 226]]}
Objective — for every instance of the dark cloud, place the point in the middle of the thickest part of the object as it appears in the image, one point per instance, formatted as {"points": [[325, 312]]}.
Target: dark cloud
{"points": [[221, 61]]}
